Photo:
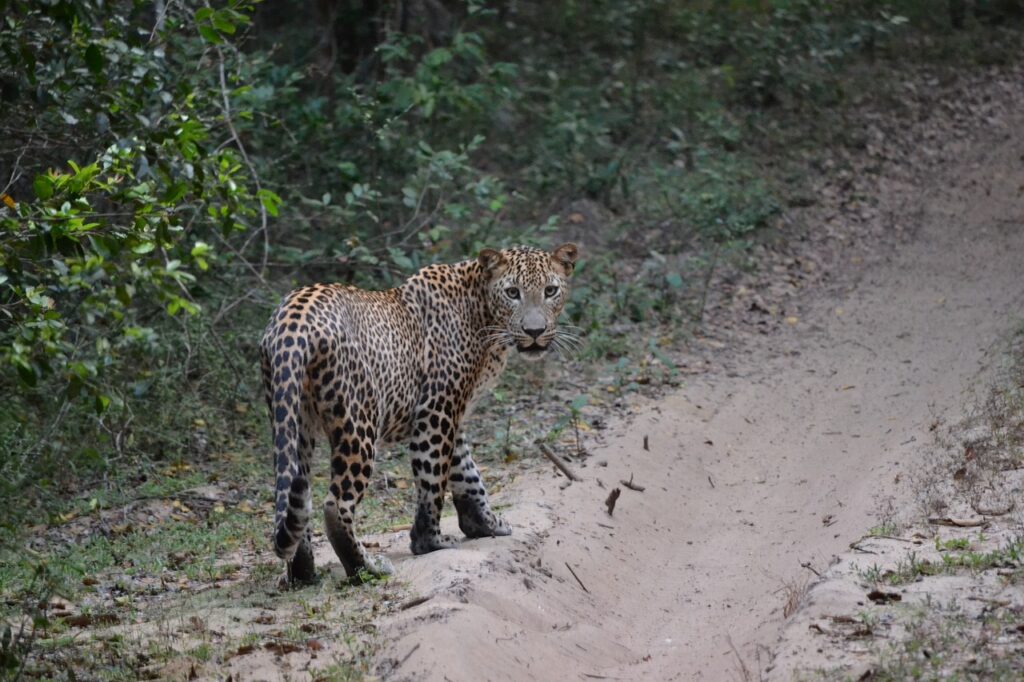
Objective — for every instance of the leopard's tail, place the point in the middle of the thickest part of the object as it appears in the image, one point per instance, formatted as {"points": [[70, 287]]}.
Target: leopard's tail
{"points": [[284, 369]]}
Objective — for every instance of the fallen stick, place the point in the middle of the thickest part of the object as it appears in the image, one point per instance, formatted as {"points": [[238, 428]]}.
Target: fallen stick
{"points": [[632, 486], [613, 497], [408, 656], [956, 522], [577, 577], [415, 601], [807, 565], [890, 537], [546, 451]]}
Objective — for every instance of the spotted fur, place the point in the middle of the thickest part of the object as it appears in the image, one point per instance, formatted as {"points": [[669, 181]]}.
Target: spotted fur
{"points": [[366, 368]]}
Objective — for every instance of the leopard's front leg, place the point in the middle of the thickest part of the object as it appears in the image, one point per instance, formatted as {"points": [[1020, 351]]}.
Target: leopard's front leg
{"points": [[432, 443], [475, 516]]}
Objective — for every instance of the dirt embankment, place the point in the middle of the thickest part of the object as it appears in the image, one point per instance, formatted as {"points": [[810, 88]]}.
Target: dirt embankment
{"points": [[768, 464]]}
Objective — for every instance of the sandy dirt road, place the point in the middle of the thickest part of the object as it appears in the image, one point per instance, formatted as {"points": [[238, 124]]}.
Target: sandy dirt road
{"points": [[754, 468]]}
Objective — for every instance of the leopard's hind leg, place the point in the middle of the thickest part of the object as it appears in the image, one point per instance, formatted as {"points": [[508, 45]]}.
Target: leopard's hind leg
{"points": [[352, 453]]}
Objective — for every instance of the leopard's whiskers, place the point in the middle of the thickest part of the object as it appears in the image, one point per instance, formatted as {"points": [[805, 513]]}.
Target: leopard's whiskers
{"points": [[569, 338], [568, 346], [493, 335]]}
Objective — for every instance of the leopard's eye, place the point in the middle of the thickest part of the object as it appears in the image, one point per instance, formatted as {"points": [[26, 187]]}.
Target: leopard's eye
{"points": [[550, 291], [512, 292]]}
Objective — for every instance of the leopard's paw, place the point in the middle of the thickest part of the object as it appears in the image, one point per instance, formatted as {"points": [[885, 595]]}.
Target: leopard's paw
{"points": [[433, 542]]}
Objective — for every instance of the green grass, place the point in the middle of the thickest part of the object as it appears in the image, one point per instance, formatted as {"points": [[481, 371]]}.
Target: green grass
{"points": [[1009, 556], [957, 557], [168, 596], [888, 529], [958, 544], [943, 643]]}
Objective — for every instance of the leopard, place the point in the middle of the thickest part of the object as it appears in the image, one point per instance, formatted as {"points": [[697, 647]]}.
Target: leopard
{"points": [[368, 369]]}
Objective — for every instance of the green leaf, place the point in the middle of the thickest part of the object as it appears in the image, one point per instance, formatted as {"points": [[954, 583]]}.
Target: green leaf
{"points": [[102, 403], [143, 248], [174, 193], [210, 35], [222, 22], [80, 369], [401, 260], [43, 187], [673, 280], [438, 57], [94, 59], [270, 201], [28, 375]]}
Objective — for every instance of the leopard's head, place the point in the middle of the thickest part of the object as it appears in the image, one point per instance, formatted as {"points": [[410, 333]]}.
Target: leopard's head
{"points": [[526, 290]]}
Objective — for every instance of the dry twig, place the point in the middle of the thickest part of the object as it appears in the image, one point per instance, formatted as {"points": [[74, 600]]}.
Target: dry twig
{"points": [[415, 601], [577, 577], [632, 486], [613, 497], [562, 466]]}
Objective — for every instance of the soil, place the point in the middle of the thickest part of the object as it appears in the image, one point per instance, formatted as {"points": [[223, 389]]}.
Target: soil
{"points": [[815, 392]]}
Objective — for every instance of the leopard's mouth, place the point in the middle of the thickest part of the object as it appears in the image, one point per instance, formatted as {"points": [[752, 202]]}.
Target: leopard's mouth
{"points": [[532, 350]]}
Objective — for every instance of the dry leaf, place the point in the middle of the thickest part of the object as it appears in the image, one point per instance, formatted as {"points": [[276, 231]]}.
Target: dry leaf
{"points": [[282, 648], [178, 468], [880, 597]]}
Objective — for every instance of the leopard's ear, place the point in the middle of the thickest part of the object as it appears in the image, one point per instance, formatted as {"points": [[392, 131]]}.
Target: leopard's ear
{"points": [[492, 261], [565, 256]]}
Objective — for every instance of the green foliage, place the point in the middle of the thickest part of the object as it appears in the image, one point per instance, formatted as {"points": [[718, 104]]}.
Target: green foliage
{"points": [[129, 197], [113, 233]]}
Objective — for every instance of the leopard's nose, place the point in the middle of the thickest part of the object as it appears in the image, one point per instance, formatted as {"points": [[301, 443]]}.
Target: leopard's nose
{"points": [[534, 333]]}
